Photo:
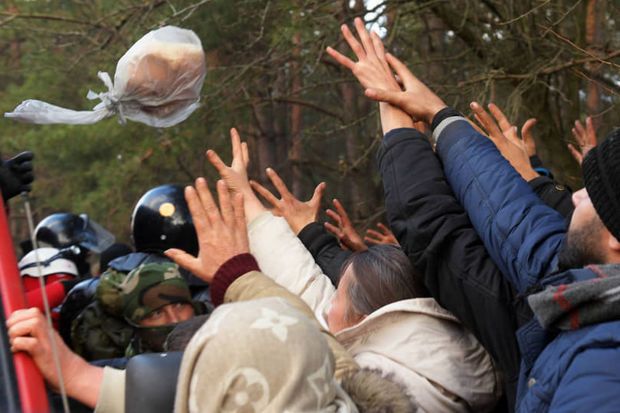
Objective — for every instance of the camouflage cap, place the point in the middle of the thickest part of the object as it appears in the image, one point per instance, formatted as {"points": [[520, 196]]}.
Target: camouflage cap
{"points": [[150, 287], [109, 292]]}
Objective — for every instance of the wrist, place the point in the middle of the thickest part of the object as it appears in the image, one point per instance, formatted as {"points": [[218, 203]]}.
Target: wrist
{"points": [[252, 205], [84, 381], [434, 110], [393, 117], [529, 174], [298, 226], [228, 272]]}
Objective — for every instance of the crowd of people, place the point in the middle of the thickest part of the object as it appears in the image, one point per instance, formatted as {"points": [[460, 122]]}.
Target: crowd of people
{"points": [[491, 288]]}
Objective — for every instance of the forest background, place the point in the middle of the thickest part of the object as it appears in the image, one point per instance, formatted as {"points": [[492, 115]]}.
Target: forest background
{"points": [[302, 114]]}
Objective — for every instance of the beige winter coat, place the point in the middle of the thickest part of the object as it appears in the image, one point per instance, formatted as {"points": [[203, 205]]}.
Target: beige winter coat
{"points": [[426, 349]]}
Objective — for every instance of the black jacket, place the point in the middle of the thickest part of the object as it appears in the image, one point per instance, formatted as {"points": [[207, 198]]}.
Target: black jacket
{"points": [[557, 196], [325, 249], [436, 234]]}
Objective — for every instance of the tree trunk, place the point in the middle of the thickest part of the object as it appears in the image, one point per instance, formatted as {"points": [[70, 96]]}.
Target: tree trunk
{"points": [[295, 154]]}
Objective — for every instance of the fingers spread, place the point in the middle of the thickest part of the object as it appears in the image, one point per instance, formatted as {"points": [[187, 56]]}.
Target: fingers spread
{"points": [[579, 133], [374, 234], [196, 210], [383, 228], [380, 50], [340, 58], [216, 161], [333, 215], [279, 184], [184, 260], [487, 122], [208, 204], [245, 154], [265, 193], [408, 78], [353, 43], [576, 154], [364, 37], [334, 230], [341, 211], [226, 208], [371, 240], [502, 120]]}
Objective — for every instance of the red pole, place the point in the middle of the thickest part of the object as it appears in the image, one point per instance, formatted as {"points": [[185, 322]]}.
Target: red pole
{"points": [[32, 393]]}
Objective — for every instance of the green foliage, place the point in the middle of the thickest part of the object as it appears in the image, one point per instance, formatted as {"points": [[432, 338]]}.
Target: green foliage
{"points": [[509, 52]]}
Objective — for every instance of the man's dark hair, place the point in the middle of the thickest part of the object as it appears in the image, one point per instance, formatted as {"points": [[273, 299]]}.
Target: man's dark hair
{"points": [[381, 275]]}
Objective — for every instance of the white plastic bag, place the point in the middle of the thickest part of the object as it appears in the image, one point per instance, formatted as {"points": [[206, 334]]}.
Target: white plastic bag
{"points": [[157, 82]]}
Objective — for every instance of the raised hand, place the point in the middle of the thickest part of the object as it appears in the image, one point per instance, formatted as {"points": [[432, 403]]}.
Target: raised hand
{"points": [[508, 142], [372, 71], [236, 176], [382, 236], [297, 213], [344, 230], [221, 231], [585, 137]]}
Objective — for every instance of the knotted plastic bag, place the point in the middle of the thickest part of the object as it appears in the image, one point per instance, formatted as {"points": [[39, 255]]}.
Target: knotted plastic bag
{"points": [[157, 82]]}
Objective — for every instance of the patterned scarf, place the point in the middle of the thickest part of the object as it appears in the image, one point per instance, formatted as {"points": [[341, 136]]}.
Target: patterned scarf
{"points": [[259, 356], [572, 306]]}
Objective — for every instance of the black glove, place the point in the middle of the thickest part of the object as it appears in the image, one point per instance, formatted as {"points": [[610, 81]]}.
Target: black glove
{"points": [[16, 175]]}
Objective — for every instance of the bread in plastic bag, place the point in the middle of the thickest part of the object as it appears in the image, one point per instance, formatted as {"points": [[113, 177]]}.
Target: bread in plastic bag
{"points": [[157, 82]]}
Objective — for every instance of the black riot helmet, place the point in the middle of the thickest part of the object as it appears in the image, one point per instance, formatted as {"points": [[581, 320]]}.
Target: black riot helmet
{"points": [[161, 220], [64, 229]]}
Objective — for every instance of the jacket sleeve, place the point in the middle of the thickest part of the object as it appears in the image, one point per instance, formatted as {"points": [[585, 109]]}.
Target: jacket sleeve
{"points": [[283, 258], [558, 197], [437, 235], [112, 394], [591, 382], [325, 249], [521, 233], [255, 285]]}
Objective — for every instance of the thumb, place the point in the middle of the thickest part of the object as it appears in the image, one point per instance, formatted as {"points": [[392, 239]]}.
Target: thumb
{"points": [[318, 194], [526, 130], [390, 96], [184, 260]]}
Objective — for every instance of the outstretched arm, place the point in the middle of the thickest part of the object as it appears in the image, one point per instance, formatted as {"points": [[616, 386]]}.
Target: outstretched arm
{"points": [[521, 234], [372, 71], [302, 217], [280, 254], [29, 332], [439, 239]]}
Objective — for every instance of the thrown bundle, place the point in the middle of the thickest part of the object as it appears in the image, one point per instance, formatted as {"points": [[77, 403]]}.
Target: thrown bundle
{"points": [[157, 82]]}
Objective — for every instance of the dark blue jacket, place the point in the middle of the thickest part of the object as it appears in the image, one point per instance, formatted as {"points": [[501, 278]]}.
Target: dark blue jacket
{"points": [[574, 371]]}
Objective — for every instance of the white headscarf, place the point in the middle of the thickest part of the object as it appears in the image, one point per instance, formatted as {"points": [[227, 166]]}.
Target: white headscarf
{"points": [[259, 356]]}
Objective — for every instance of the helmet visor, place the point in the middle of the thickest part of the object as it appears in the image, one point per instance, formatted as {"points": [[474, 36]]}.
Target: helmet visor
{"points": [[94, 237]]}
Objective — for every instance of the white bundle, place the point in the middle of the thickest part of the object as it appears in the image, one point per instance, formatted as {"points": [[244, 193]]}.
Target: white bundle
{"points": [[157, 82]]}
